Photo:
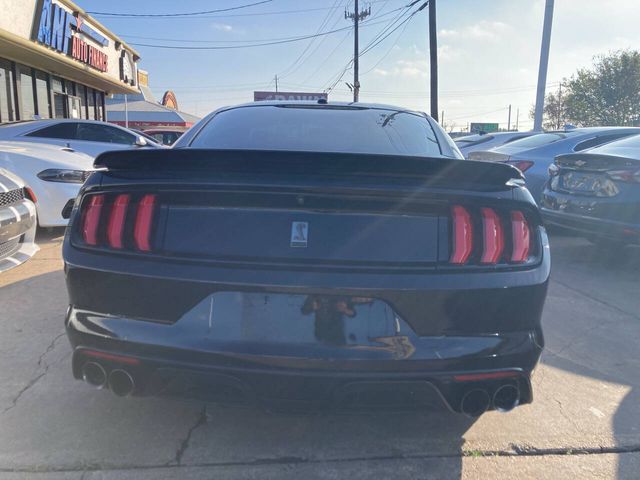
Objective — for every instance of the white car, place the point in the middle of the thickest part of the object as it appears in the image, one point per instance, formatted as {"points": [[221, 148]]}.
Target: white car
{"points": [[17, 222], [53, 173], [486, 141], [88, 136]]}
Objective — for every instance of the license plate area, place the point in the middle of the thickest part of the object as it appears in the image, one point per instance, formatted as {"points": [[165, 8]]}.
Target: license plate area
{"points": [[583, 182], [319, 320]]}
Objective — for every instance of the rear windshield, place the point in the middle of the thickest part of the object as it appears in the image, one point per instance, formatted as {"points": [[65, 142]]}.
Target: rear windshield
{"points": [[472, 140], [320, 129], [537, 140]]}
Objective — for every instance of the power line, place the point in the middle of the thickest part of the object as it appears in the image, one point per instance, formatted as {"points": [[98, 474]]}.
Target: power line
{"points": [[198, 15], [189, 14], [230, 47], [379, 38], [324, 22]]}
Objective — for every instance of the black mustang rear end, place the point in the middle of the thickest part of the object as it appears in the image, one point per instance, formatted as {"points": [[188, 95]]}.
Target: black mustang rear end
{"points": [[307, 279]]}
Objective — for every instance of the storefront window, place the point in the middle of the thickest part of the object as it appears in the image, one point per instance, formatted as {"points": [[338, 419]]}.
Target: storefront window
{"points": [[91, 103], [100, 105], [7, 107], [60, 105], [81, 91], [27, 102], [42, 94]]}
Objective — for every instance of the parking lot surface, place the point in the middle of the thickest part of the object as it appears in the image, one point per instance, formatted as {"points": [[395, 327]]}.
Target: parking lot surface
{"points": [[584, 421]]}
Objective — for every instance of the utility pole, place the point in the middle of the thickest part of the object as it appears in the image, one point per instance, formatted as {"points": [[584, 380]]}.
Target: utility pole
{"points": [[433, 57], [126, 112], [276, 83], [544, 63], [558, 126], [442, 118], [356, 16], [509, 120], [517, 118]]}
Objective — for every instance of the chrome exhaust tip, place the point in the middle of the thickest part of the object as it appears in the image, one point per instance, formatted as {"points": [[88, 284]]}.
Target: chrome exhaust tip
{"points": [[121, 383], [94, 374], [506, 398], [475, 403]]}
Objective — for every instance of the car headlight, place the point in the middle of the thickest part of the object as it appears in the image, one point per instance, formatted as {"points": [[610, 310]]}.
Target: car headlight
{"points": [[63, 176]]}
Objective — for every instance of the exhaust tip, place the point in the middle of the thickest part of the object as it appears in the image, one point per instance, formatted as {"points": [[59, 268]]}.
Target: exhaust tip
{"points": [[506, 398], [93, 373], [121, 383], [475, 403]]}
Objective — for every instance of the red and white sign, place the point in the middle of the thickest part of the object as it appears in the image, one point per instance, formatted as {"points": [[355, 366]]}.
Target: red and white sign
{"points": [[288, 96]]}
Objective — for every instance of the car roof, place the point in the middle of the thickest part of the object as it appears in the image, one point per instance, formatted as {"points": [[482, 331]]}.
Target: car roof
{"points": [[329, 105]]}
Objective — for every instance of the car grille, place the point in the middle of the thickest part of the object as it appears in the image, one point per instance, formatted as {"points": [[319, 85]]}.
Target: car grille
{"points": [[11, 197], [9, 248]]}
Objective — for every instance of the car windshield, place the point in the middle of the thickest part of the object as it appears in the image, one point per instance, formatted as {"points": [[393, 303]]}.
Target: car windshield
{"points": [[318, 129]]}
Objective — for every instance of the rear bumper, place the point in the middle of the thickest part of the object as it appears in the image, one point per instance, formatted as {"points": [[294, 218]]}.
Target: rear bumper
{"points": [[431, 373], [592, 226]]}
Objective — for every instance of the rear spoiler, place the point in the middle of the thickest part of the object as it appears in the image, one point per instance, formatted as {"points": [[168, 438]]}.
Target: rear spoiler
{"points": [[594, 161], [431, 169]]}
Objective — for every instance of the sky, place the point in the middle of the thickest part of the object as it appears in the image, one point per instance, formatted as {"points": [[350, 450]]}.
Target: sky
{"points": [[488, 50]]}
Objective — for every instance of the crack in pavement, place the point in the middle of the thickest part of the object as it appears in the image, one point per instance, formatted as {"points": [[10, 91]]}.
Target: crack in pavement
{"points": [[515, 451], [35, 379], [598, 300], [184, 445]]}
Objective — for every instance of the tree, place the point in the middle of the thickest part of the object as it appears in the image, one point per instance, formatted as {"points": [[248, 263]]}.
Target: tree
{"points": [[555, 110], [606, 94]]}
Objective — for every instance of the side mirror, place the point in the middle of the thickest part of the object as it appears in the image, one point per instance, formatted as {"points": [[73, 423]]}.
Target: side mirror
{"points": [[141, 141]]}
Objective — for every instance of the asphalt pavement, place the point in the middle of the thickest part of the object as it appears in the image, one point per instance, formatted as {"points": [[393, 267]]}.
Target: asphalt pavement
{"points": [[584, 421]]}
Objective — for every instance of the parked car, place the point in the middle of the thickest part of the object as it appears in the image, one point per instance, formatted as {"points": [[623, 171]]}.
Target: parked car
{"points": [[53, 173], [87, 136], [316, 255], [534, 154], [17, 221], [597, 192], [486, 141], [165, 136]]}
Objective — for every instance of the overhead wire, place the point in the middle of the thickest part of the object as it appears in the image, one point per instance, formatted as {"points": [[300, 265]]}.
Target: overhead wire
{"points": [[325, 21], [173, 15]]}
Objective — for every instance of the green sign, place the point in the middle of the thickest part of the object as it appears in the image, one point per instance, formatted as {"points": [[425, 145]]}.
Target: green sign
{"points": [[483, 127]]}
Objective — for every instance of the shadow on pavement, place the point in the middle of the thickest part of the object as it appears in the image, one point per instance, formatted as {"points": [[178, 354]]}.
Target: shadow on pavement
{"points": [[609, 353]]}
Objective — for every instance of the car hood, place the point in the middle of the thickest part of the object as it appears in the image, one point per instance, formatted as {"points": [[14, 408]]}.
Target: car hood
{"points": [[54, 154], [9, 180]]}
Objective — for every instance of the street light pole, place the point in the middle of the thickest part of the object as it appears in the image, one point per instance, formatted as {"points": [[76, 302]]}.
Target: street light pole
{"points": [[544, 63]]}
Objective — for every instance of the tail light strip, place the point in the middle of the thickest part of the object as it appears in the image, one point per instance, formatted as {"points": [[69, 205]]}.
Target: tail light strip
{"points": [[114, 236], [493, 237]]}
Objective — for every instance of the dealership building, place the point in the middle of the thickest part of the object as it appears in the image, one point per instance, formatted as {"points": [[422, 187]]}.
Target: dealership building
{"points": [[58, 62]]}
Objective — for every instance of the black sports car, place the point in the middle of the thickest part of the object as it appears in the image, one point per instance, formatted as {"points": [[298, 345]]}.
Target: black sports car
{"points": [[596, 193], [308, 255]]}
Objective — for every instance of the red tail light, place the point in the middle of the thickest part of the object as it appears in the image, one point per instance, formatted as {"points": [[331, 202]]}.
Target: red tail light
{"points": [[522, 165], [462, 235], [91, 219], [114, 210], [115, 228], [493, 244], [144, 219], [493, 236], [521, 238]]}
